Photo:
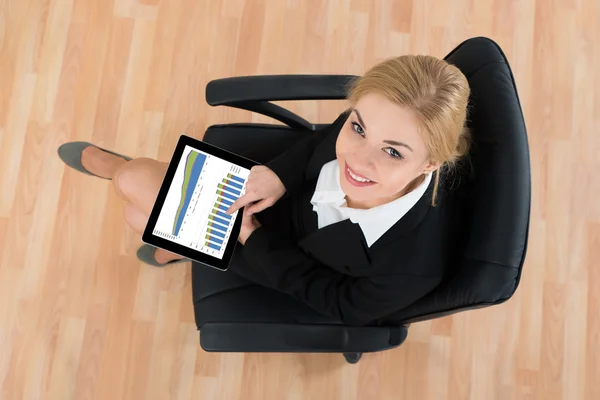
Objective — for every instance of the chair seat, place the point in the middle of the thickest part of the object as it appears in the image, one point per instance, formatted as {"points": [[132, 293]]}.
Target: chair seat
{"points": [[226, 296]]}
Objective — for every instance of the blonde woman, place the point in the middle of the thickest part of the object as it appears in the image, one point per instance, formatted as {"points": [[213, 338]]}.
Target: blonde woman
{"points": [[352, 223]]}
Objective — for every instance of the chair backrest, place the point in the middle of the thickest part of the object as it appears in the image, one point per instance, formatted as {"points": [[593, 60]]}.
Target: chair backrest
{"points": [[498, 203]]}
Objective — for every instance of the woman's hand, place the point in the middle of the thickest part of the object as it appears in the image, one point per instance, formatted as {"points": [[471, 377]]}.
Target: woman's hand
{"points": [[263, 188], [249, 225]]}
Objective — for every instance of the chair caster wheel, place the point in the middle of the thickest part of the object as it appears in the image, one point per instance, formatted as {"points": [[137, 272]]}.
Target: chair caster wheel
{"points": [[352, 358]]}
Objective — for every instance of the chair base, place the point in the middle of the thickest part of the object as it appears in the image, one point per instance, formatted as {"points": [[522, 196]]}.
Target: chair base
{"points": [[352, 358]]}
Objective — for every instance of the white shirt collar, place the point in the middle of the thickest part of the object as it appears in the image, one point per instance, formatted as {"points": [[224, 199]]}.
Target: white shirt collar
{"points": [[330, 204]]}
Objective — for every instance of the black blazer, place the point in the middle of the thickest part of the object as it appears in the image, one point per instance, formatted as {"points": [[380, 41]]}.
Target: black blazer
{"points": [[332, 269]]}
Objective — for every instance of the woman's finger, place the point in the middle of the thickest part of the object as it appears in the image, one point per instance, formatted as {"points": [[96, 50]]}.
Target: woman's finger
{"points": [[258, 207], [241, 202]]}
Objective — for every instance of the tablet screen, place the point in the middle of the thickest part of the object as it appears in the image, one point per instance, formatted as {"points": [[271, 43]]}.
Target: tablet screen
{"points": [[202, 189]]}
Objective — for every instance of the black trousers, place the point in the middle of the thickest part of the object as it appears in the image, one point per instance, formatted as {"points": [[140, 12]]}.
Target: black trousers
{"points": [[226, 296]]}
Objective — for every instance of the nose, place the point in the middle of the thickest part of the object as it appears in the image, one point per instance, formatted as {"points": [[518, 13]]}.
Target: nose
{"points": [[363, 160]]}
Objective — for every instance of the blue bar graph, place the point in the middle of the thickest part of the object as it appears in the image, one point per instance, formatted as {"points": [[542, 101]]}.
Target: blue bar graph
{"points": [[217, 226], [216, 232], [219, 220], [222, 214], [225, 201], [230, 189], [213, 246], [214, 239], [228, 195], [235, 178], [222, 207], [232, 183]]}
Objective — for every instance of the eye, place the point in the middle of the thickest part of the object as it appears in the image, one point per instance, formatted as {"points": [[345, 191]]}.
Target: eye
{"points": [[357, 128], [391, 151], [394, 153]]}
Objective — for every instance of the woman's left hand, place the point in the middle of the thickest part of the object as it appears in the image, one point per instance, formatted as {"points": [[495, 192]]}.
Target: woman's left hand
{"points": [[249, 225]]}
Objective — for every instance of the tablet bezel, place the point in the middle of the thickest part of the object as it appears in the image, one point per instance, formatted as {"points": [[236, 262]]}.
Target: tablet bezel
{"points": [[195, 255]]}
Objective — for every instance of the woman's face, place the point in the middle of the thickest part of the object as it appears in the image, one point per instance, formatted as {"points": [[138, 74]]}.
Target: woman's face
{"points": [[381, 146]]}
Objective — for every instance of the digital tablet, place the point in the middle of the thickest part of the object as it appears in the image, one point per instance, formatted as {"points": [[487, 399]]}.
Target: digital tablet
{"points": [[188, 217]]}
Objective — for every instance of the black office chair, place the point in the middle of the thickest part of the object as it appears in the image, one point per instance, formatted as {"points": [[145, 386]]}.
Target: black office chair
{"points": [[497, 192]]}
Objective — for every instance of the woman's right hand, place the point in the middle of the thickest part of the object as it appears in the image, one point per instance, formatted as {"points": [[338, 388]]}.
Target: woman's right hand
{"points": [[263, 188]]}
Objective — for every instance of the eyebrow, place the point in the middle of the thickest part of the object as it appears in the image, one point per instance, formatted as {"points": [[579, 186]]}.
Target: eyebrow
{"points": [[392, 142]]}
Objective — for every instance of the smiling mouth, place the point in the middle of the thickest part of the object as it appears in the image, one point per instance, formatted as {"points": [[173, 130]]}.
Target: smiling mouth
{"points": [[356, 177]]}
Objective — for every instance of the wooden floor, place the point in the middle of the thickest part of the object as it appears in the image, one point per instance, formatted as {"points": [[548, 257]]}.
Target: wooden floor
{"points": [[81, 318]]}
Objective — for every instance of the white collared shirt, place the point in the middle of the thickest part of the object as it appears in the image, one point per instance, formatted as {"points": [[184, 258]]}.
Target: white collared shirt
{"points": [[330, 204]]}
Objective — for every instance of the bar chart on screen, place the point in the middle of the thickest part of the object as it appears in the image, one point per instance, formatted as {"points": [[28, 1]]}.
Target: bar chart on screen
{"points": [[202, 190]]}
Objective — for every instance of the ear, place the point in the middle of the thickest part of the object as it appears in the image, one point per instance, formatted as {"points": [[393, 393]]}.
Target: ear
{"points": [[431, 166]]}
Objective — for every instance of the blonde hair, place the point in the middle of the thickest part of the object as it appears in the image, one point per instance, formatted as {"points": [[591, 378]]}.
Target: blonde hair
{"points": [[436, 91]]}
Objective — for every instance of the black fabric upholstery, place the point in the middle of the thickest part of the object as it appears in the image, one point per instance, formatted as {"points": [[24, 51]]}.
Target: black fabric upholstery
{"points": [[258, 142], [497, 189], [494, 181]]}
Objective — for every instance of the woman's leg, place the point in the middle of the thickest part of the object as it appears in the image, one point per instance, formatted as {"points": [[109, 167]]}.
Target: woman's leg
{"points": [[137, 182]]}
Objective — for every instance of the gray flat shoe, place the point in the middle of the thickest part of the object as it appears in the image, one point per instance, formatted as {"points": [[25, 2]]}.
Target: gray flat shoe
{"points": [[70, 153], [146, 255]]}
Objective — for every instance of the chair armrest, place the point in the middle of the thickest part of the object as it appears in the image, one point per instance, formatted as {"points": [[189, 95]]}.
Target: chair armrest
{"points": [[254, 93], [228, 91], [298, 338]]}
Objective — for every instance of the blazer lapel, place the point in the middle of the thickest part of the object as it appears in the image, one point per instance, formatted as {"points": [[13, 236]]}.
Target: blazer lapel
{"points": [[343, 244], [340, 245], [409, 222]]}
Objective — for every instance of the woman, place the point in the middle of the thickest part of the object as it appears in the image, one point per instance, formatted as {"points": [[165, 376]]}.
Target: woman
{"points": [[352, 221]]}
